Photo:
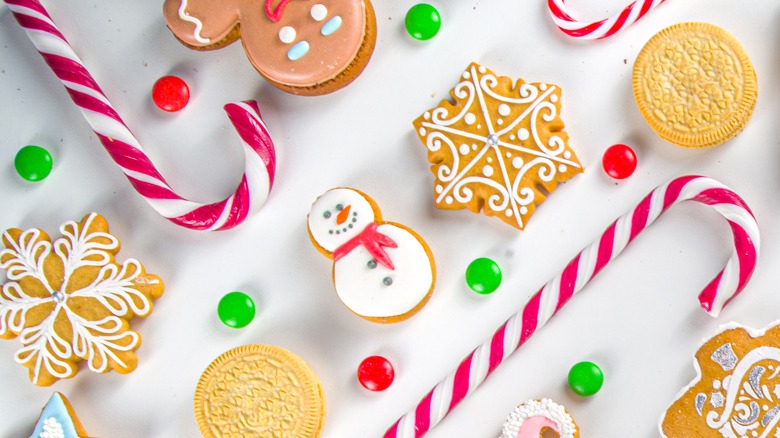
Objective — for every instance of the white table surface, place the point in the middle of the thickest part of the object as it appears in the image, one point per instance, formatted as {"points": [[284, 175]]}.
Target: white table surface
{"points": [[639, 320]]}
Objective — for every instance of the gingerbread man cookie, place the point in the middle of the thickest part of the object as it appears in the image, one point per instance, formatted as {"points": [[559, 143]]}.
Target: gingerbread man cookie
{"points": [[69, 300], [737, 390], [307, 47]]}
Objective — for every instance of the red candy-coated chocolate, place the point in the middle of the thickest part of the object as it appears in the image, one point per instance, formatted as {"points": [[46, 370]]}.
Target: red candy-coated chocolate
{"points": [[170, 93], [619, 161], [375, 373]]}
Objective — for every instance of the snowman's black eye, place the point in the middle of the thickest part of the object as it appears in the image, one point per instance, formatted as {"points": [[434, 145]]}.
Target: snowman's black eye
{"points": [[326, 215], [339, 207]]}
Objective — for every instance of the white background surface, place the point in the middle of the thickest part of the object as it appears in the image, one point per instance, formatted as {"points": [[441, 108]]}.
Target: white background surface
{"points": [[639, 320]]}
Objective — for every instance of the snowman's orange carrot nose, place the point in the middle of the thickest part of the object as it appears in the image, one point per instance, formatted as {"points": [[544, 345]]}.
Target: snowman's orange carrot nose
{"points": [[343, 215]]}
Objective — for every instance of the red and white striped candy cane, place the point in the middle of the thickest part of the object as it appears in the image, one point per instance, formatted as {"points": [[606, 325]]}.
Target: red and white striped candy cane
{"points": [[126, 151], [599, 29], [546, 302]]}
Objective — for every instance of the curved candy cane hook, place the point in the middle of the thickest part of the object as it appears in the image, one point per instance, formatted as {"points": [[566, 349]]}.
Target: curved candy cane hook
{"points": [[126, 151], [475, 368], [599, 29]]}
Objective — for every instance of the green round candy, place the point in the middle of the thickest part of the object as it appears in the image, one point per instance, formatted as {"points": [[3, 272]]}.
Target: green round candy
{"points": [[236, 309], [586, 378], [483, 276], [423, 21], [33, 163]]}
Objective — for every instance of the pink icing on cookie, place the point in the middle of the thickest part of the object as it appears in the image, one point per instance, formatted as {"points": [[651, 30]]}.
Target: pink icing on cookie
{"points": [[534, 426], [297, 43]]}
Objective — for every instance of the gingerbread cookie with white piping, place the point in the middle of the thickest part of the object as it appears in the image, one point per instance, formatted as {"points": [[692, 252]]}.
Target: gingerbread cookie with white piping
{"points": [[737, 389], [382, 271], [307, 47]]}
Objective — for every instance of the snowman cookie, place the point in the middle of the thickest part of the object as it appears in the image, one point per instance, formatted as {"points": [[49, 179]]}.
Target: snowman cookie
{"points": [[307, 47], [382, 271]]}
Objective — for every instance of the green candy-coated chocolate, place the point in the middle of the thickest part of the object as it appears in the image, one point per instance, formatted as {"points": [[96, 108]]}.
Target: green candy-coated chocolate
{"points": [[586, 378], [483, 276], [423, 21], [236, 309], [33, 163]]}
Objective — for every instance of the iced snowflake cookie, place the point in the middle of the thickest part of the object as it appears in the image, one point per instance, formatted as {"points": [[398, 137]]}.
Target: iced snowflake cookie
{"points": [[259, 391], [58, 420], [69, 300], [382, 271], [535, 417], [737, 390], [498, 146], [308, 47], [694, 85]]}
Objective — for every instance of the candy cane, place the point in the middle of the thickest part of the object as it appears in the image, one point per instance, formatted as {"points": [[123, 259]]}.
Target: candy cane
{"points": [[126, 151], [547, 301], [599, 29]]}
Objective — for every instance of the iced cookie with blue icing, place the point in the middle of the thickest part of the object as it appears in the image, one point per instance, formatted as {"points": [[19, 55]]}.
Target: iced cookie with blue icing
{"points": [[307, 47], [58, 420], [382, 271]]}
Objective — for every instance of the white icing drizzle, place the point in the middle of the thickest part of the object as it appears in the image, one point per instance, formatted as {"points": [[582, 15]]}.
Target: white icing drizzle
{"points": [[530, 103], [113, 288], [198, 24]]}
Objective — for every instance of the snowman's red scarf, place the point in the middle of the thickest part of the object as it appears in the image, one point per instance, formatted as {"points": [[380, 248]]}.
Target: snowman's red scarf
{"points": [[373, 241]]}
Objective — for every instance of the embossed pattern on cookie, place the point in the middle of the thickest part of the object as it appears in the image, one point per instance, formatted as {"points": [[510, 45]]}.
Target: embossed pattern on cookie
{"points": [[262, 391], [498, 146], [694, 85]]}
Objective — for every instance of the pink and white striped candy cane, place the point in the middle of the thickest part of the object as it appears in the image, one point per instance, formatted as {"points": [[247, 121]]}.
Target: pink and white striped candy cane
{"points": [[126, 151], [599, 29], [546, 302]]}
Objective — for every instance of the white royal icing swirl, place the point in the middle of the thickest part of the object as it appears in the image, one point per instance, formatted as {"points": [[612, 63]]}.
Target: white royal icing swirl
{"points": [[113, 288], [198, 24], [494, 142]]}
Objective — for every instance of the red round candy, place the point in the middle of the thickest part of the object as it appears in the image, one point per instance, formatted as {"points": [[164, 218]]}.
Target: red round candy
{"points": [[170, 93], [619, 161], [375, 373]]}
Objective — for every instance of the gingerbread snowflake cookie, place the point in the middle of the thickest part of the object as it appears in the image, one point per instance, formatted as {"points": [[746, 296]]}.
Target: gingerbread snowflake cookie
{"points": [[308, 47], [68, 300], [737, 390], [498, 146]]}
